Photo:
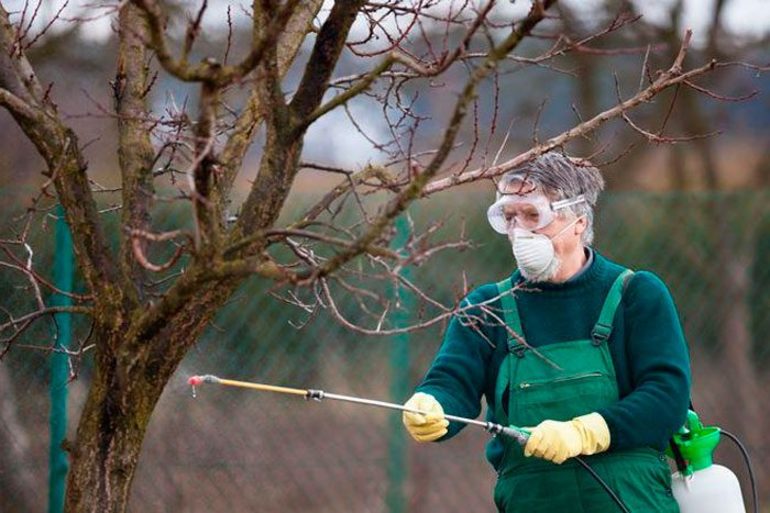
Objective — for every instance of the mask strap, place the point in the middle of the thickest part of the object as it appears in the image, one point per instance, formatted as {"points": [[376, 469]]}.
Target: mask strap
{"points": [[568, 226]]}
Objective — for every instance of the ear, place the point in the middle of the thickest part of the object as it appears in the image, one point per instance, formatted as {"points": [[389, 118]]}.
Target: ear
{"points": [[581, 225]]}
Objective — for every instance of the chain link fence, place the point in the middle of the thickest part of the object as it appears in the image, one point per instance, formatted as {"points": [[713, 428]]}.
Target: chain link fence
{"points": [[235, 450]]}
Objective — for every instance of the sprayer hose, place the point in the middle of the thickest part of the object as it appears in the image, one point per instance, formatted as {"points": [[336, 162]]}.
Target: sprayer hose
{"points": [[746, 457], [603, 484]]}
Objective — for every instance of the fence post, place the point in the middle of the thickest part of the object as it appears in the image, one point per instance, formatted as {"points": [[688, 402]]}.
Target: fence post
{"points": [[57, 459], [395, 499]]}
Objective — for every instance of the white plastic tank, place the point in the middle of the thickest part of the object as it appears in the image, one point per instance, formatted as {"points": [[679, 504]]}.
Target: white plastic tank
{"points": [[701, 486], [714, 489]]}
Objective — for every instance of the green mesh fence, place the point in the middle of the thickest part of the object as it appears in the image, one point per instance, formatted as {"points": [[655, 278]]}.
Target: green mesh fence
{"points": [[235, 450]]}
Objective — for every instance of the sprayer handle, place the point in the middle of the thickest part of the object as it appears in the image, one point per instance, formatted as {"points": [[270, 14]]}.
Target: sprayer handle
{"points": [[520, 435]]}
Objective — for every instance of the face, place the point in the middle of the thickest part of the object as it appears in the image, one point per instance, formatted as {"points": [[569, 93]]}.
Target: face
{"points": [[558, 247], [565, 238], [569, 241]]}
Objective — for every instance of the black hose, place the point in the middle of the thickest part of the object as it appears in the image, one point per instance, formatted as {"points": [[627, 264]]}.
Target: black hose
{"points": [[603, 484], [748, 464]]}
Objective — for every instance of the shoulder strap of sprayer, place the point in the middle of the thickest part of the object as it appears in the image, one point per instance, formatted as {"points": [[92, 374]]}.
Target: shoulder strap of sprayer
{"points": [[510, 310], [603, 328]]}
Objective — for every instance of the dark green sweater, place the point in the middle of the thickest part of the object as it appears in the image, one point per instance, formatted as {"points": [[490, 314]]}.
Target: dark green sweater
{"points": [[647, 346]]}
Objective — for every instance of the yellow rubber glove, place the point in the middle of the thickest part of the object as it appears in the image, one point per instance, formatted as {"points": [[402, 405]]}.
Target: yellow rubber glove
{"points": [[557, 441], [428, 427]]}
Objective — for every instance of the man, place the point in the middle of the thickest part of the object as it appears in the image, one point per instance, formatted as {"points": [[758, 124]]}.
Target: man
{"points": [[586, 355]]}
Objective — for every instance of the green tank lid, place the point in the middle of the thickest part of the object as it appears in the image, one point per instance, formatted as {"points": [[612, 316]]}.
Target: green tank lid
{"points": [[697, 443]]}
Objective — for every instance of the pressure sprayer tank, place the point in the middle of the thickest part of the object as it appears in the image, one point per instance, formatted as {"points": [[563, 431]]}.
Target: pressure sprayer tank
{"points": [[704, 487]]}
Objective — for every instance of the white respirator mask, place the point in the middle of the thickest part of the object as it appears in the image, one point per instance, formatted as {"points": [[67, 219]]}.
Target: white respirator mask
{"points": [[534, 252]]}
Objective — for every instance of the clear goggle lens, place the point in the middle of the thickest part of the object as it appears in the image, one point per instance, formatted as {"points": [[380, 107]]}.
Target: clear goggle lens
{"points": [[530, 212]]}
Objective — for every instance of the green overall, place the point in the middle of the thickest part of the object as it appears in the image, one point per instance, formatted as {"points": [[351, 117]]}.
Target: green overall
{"points": [[560, 381]]}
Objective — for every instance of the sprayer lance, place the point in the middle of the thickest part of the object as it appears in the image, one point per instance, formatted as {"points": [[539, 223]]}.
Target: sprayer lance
{"points": [[517, 434]]}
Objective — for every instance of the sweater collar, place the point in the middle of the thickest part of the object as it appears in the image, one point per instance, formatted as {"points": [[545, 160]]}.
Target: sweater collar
{"points": [[589, 261], [584, 276]]}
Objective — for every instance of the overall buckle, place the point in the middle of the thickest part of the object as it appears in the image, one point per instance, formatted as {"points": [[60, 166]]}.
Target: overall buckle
{"points": [[600, 334]]}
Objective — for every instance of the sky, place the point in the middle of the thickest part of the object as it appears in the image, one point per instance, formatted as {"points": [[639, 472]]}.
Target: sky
{"points": [[748, 17]]}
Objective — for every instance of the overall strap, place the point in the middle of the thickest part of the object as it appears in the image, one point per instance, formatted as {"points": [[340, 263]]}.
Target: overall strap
{"points": [[603, 327], [510, 310]]}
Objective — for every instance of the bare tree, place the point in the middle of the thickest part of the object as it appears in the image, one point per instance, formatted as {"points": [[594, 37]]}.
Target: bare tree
{"points": [[145, 314]]}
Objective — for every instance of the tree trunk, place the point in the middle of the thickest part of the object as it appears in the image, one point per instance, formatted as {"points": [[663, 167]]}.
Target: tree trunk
{"points": [[125, 388], [109, 439]]}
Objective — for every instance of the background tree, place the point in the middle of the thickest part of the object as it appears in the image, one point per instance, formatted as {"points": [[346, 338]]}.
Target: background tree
{"points": [[148, 299]]}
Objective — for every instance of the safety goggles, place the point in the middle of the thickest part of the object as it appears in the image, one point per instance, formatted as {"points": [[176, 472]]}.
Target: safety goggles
{"points": [[531, 211]]}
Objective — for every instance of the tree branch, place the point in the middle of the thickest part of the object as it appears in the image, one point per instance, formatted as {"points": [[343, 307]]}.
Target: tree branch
{"points": [[415, 188], [17, 106], [269, 190], [58, 146], [395, 56], [353, 91], [344, 186], [199, 174], [23, 323], [323, 59], [46, 311], [16, 74], [284, 133], [279, 163], [666, 79], [270, 37], [135, 151], [242, 135], [181, 69], [289, 232], [208, 71]]}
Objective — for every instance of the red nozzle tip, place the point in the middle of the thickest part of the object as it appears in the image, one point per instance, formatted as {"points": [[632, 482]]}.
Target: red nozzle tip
{"points": [[195, 381]]}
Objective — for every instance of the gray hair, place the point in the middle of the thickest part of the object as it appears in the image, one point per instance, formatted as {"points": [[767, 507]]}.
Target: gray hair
{"points": [[562, 177]]}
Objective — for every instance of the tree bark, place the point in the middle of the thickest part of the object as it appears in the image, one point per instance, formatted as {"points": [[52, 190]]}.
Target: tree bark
{"points": [[135, 151], [109, 439], [125, 388]]}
